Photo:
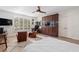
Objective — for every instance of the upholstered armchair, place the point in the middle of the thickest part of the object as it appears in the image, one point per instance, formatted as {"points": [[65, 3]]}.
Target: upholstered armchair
{"points": [[21, 36]]}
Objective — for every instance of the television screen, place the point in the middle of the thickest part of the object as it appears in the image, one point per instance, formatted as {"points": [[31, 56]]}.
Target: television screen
{"points": [[4, 22], [47, 24]]}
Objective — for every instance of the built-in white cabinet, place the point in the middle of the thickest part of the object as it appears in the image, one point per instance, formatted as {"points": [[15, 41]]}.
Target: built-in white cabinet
{"points": [[22, 23]]}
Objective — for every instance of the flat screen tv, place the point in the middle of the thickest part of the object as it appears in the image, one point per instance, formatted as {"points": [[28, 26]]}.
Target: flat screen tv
{"points": [[47, 24], [5, 22]]}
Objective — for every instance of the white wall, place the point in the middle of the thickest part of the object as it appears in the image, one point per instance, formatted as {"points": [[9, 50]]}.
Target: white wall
{"points": [[39, 17], [69, 23]]}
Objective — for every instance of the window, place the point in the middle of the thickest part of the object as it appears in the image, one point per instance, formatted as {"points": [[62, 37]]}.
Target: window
{"points": [[22, 24], [16, 23], [25, 23]]}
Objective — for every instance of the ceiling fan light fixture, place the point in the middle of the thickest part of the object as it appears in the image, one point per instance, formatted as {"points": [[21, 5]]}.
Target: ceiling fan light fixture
{"points": [[38, 10]]}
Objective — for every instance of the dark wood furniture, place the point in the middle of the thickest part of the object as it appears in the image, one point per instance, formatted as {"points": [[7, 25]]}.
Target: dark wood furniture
{"points": [[50, 25], [3, 39], [32, 34], [21, 36]]}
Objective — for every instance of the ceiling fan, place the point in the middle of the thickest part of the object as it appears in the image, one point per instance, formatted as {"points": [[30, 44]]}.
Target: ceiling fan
{"points": [[39, 10]]}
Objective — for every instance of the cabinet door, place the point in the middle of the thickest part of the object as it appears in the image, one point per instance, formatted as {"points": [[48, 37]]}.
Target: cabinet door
{"points": [[50, 31], [55, 32]]}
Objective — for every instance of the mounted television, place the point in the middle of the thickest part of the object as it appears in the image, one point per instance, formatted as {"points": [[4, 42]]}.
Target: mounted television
{"points": [[47, 24], [5, 22]]}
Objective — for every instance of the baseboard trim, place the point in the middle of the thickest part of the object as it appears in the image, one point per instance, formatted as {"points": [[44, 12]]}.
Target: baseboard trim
{"points": [[69, 39]]}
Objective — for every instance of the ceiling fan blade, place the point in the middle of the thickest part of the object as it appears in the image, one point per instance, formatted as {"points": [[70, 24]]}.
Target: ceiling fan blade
{"points": [[38, 10], [42, 12]]}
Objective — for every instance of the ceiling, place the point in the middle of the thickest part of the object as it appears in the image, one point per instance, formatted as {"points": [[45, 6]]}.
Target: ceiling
{"points": [[27, 10]]}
